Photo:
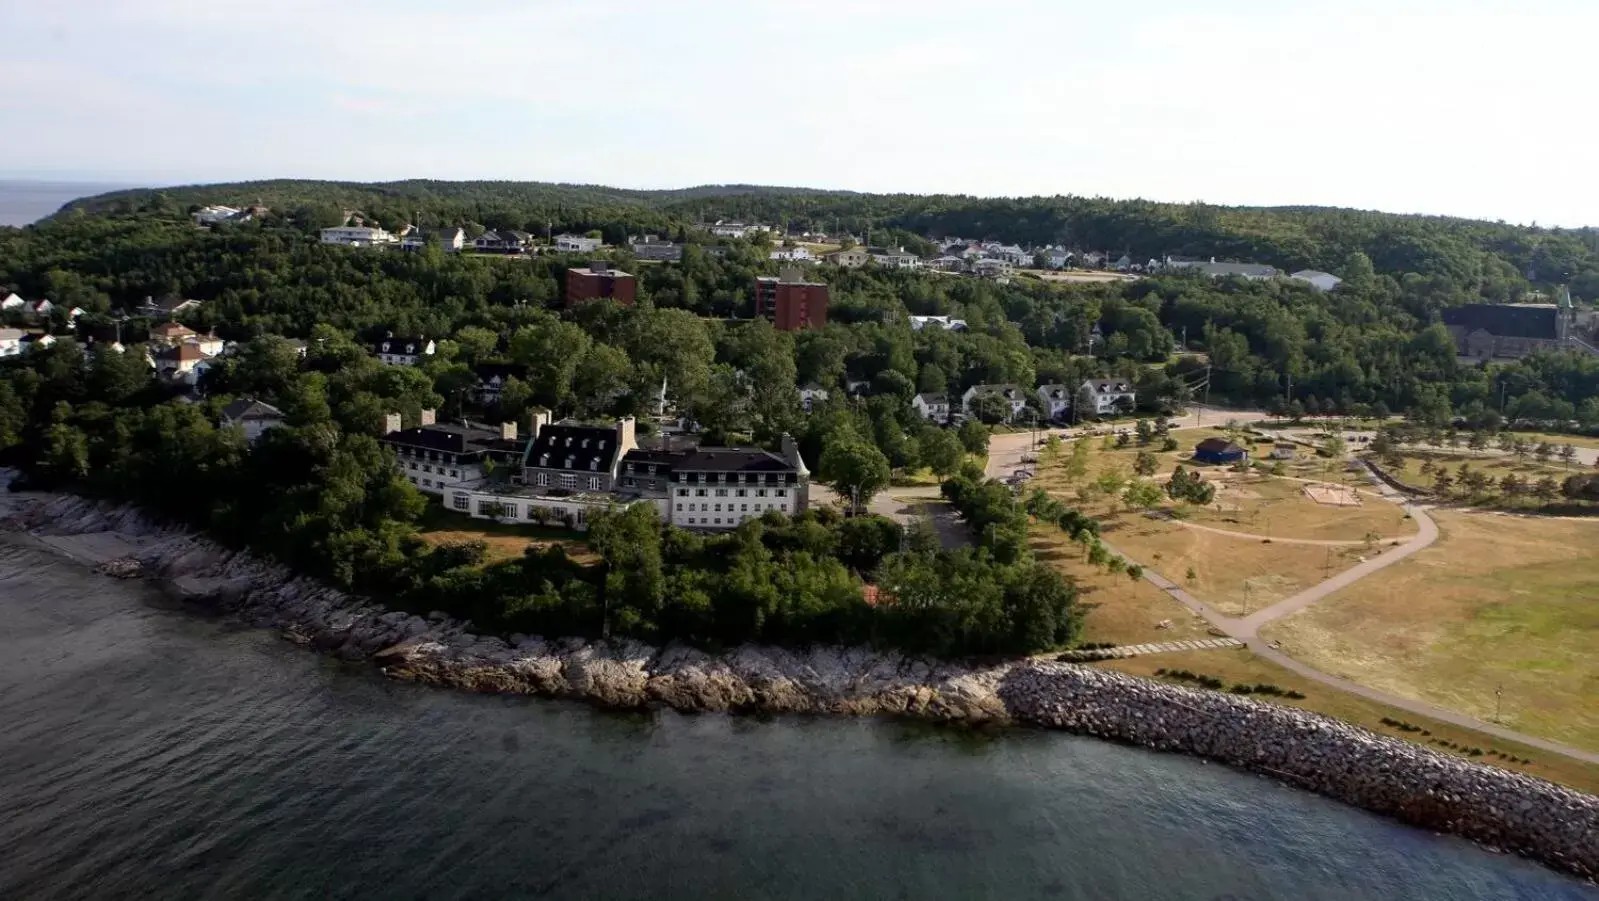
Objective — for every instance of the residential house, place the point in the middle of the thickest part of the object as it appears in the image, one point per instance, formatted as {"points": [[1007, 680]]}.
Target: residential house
{"points": [[36, 340], [857, 387], [1219, 451], [1093, 259], [209, 343], [169, 306], [1012, 394], [183, 363], [946, 264], [505, 240], [650, 247], [714, 251], [357, 236], [575, 456], [253, 416], [1057, 400], [811, 395], [1284, 450], [577, 244], [13, 302], [938, 322], [723, 229], [721, 487], [793, 254], [990, 267], [171, 334], [1105, 397], [1321, 281], [491, 379], [452, 238], [1252, 271], [932, 406], [896, 258], [403, 350], [10, 342], [1058, 257], [597, 281], [791, 302], [1010, 253], [214, 215], [847, 259]]}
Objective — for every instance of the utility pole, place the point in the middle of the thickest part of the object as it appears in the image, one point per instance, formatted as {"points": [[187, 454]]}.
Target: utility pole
{"points": [[1499, 695]]}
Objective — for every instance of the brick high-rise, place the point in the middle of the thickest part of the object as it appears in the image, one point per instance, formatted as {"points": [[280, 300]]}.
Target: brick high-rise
{"points": [[599, 280], [791, 302]]}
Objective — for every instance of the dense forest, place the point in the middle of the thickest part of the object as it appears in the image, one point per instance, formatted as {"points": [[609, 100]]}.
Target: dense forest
{"points": [[322, 495]]}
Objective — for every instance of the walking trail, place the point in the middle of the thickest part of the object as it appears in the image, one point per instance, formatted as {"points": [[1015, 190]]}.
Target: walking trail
{"points": [[1247, 629]]}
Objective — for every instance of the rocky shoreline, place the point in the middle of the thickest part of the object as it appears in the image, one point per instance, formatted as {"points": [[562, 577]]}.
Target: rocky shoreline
{"points": [[1538, 819]]}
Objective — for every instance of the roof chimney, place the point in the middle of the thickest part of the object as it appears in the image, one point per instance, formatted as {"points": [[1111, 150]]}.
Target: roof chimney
{"points": [[391, 423], [508, 431], [541, 418], [626, 439], [429, 417], [792, 455]]}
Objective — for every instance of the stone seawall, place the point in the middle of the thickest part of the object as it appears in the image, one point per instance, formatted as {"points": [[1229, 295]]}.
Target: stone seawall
{"points": [[1414, 784]]}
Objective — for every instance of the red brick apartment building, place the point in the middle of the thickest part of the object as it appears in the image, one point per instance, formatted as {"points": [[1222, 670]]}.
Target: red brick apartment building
{"points": [[599, 280], [791, 302]]}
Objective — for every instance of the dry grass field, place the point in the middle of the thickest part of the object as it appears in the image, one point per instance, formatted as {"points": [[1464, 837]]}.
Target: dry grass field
{"points": [[501, 541], [1242, 666], [1501, 603], [1121, 610], [1274, 507]]}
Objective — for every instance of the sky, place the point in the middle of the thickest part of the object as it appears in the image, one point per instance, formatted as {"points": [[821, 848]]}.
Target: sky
{"points": [[1460, 107]]}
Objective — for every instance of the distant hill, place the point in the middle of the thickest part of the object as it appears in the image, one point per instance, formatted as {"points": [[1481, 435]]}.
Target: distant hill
{"points": [[1496, 256]]}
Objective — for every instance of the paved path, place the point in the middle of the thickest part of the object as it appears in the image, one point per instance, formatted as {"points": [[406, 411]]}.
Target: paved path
{"points": [[1277, 539], [1165, 647]]}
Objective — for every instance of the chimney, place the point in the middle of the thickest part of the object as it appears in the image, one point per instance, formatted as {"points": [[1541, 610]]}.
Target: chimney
{"points": [[429, 417], [541, 418], [792, 455], [790, 274], [1213, 259], [508, 431], [626, 440], [391, 423], [599, 267]]}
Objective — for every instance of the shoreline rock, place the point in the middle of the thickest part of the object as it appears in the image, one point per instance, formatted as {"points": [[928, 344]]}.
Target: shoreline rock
{"points": [[1538, 819]]}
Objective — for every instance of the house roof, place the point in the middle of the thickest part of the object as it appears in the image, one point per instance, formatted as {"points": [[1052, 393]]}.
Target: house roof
{"points": [[183, 353], [248, 410], [172, 330], [1012, 391], [487, 372], [661, 460], [1110, 386], [173, 303], [1258, 270], [448, 437], [1058, 392], [10, 334], [931, 398], [732, 459], [1540, 321], [1217, 446], [1308, 274], [586, 448], [401, 344]]}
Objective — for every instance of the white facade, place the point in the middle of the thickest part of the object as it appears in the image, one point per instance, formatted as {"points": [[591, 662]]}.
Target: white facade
{"points": [[211, 215], [577, 244], [811, 395], [932, 407], [1011, 394], [436, 477], [1321, 281], [356, 236], [452, 239], [1106, 397], [793, 254], [1057, 258], [13, 302], [1057, 400], [404, 351], [941, 322], [897, 259], [10, 342], [736, 229], [504, 503]]}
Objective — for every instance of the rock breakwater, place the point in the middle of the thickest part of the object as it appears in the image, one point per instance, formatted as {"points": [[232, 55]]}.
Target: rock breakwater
{"points": [[1414, 784]]}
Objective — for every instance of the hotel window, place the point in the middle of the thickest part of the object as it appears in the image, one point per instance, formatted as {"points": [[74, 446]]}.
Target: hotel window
{"points": [[413, 466], [427, 469], [680, 508], [455, 473], [569, 481], [718, 509], [743, 507], [682, 492], [630, 481], [531, 511], [721, 492], [760, 492], [699, 492], [784, 508], [781, 492], [718, 520], [594, 483], [743, 492], [460, 501], [543, 479]]}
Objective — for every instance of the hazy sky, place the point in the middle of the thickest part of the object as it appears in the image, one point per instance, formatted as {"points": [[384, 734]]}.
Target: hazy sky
{"points": [[1465, 107]]}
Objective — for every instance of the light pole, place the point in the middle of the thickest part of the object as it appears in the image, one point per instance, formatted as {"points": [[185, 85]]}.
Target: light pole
{"points": [[1499, 695]]}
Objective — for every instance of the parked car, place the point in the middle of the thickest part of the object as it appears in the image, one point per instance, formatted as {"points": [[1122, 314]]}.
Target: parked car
{"points": [[1029, 459]]}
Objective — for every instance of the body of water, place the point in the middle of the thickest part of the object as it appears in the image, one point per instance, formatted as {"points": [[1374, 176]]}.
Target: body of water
{"points": [[150, 753], [26, 202]]}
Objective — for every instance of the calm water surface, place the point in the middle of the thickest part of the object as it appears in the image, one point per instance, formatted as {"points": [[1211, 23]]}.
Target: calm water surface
{"points": [[26, 202], [148, 753]]}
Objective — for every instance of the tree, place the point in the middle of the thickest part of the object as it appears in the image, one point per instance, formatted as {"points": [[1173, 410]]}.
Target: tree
{"points": [[1333, 446], [973, 437], [1505, 442], [1142, 495], [854, 468], [1077, 462], [991, 408], [1512, 485], [1478, 441], [941, 452], [1146, 432], [1145, 464], [1442, 482], [1567, 454], [1543, 452], [600, 378], [1546, 489], [1110, 483]]}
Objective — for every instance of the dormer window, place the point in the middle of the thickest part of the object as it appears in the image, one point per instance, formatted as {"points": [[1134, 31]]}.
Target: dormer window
{"points": [[385, 347], [585, 443], [594, 463], [569, 459], [544, 459]]}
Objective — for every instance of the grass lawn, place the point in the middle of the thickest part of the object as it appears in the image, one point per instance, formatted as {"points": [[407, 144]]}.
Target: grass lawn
{"points": [[439, 526], [1121, 610], [1268, 506], [1501, 602], [1234, 575], [913, 478], [1235, 666], [1495, 467], [1587, 441]]}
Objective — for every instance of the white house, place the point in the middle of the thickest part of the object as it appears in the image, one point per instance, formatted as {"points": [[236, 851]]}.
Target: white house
{"points": [[897, 259], [452, 238], [724, 229], [1252, 271], [403, 351], [1012, 394], [811, 395], [577, 244], [356, 236], [1058, 258], [1057, 400], [505, 240], [1106, 397], [991, 268], [946, 264], [40, 307], [932, 406], [184, 363], [941, 322], [211, 215], [1321, 281], [10, 342], [255, 417], [13, 302], [209, 344], [1011, 254], [793, 254]]}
